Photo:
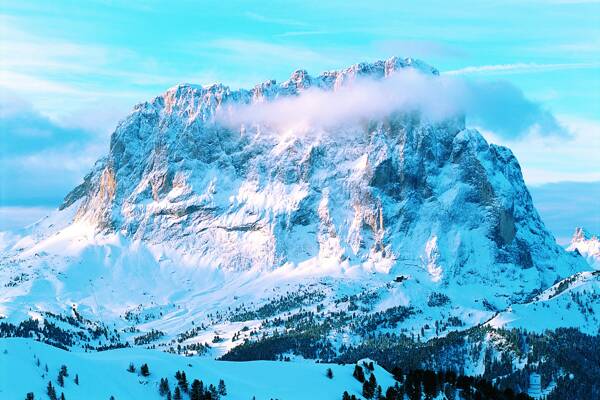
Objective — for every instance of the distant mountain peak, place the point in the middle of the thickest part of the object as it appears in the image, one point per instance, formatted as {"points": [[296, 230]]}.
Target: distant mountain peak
{"points": [[588, 245]]}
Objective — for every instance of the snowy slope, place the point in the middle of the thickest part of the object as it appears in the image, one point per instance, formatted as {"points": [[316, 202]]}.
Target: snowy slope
{"points": [[105, 374], [207, 233], [573, 303]]}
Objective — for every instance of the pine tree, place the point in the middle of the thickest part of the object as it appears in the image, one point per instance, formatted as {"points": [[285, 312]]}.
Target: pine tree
{"points": [[367, 390], [222, 389], [63, 370], [359, 373], [196, 392], [76, 380], [62, 396], [131, 368], [329, 373], [183, 383], [369, 387], [144, 370], [60, 380], [30, 396], [163, 388], [345, 396], [391, 394], [177, 393], [212, 390], [50, 391]]}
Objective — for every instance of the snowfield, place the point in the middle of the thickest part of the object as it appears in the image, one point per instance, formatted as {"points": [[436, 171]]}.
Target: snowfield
{"points": [[105, 374]]}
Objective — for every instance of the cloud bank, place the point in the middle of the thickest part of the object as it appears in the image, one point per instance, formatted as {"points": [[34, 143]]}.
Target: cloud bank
{"points": [[495, 106], [41, 159]]}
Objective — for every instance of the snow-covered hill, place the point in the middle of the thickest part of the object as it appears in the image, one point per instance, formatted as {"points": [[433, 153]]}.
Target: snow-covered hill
{"points": [[27, 366], [197, 236]]}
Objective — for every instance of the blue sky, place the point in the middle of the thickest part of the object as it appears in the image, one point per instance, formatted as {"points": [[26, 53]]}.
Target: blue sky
{"points": [[69, 70]]}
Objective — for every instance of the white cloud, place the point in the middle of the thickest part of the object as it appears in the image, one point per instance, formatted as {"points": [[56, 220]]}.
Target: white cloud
{"points": [[517, 68], [546, 159], [273, 20], [497, 106]]}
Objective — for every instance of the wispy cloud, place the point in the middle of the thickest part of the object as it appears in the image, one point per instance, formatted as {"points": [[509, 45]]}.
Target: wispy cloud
{"points": [[45, 68], [517, 68], [304, 33], [273, 20], [40, 159], [497, 106], [574, 158]]}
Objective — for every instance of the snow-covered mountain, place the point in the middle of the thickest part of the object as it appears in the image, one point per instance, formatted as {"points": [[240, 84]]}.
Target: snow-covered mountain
{"points": [[587, 245], [191, 232]]}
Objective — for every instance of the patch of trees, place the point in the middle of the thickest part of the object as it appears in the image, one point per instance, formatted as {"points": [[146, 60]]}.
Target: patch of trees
{"points": [[148, 337], [279, 305], [427, 384], [196, 391]]}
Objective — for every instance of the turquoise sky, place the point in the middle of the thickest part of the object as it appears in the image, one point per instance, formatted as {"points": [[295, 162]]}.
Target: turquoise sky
{"points": [[70, 69]]}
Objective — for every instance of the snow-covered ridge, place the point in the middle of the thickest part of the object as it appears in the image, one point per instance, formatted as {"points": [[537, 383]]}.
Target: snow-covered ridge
{"points": [[199, 102]]}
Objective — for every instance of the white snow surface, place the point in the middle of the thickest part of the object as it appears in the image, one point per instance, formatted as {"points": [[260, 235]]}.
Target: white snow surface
{"points": [[105, 374]]}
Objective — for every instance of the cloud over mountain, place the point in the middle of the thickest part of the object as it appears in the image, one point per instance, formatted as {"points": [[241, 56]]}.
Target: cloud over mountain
{"points": [[495, 106]]}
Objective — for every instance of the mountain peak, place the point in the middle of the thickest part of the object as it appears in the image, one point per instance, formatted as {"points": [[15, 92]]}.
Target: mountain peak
{"points": [[581, 234]]}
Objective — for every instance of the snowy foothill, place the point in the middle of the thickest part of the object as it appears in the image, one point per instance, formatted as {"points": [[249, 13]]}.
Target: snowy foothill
{"points": [[101, 375]]}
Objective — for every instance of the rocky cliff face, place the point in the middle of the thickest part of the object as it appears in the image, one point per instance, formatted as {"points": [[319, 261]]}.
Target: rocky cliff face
{"points": [[390, 193]]}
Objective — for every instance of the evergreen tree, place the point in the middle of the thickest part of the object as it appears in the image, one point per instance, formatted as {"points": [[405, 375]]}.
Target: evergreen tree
{"points": [[391, 394], [197, 390], [368, 391], [345, 396], [163, 387], [131, 368], [329, 373], [183, 383], [222, 389], [76, 380], [51, 391], [60, 380], [212, 390], [63, 370], [379, 392], [30, 396], [144, 370], [177, 393], [369, 387], [358, 373], [62, 396]]}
